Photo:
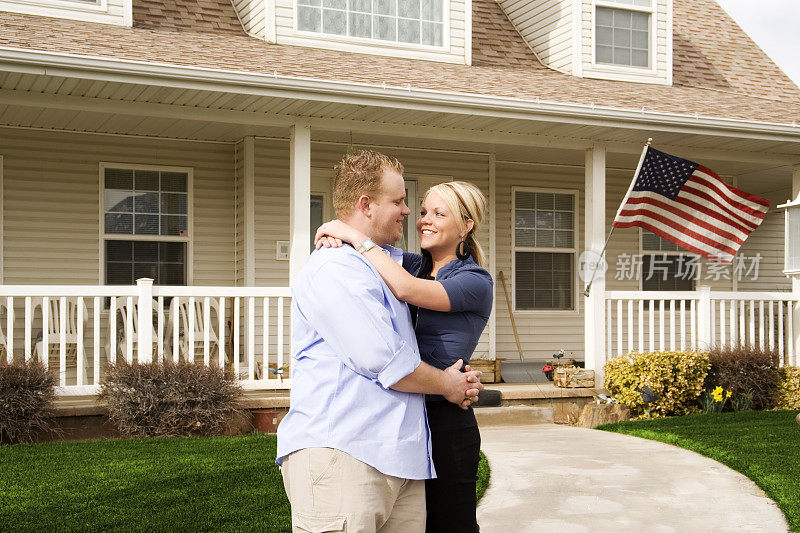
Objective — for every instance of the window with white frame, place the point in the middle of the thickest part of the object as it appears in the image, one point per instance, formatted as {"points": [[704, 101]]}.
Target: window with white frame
{"points": [[544, 249], [623, 33], [666, 266], [145, 225], [419, 22]]}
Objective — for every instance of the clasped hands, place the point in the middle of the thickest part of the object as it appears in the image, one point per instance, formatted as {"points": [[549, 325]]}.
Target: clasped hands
{"points": [[462, 387]]}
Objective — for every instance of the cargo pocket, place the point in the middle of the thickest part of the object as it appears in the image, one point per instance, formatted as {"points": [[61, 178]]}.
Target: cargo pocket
{"points": [[319, 524]]}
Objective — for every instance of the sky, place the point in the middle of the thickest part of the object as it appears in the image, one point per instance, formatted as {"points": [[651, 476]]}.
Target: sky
{"points": [[774, 26]]}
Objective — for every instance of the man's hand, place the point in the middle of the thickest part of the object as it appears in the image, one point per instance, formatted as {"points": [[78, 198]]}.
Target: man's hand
{"points": [[462, 388]]}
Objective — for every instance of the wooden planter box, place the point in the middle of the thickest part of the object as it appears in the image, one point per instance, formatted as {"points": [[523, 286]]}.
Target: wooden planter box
{"points": [[490, 369], [573, 377]]}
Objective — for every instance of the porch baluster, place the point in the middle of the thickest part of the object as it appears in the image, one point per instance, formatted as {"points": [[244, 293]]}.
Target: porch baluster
{"points": [[251, 337], [62, 341], [80, 356], [235, 334], [222, 337], [192, 320], [206, 330], [620, 349], [176, 348], [10, 329], [280, 331], [96, 340], [630, 326], [28, 325], [265, 341]]}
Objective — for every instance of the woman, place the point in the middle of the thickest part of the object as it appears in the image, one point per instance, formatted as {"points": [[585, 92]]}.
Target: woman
{"points": [[450, 297]]}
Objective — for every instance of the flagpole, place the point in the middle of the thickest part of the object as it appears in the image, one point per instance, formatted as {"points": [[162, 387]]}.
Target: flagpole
{"points": [[624, 199]]}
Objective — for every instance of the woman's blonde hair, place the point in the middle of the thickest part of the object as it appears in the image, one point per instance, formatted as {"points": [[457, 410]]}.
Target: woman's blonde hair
{"points": [[466, 200]]}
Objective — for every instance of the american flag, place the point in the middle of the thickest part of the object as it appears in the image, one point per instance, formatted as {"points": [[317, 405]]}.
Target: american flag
{"points": [[690, 206]]}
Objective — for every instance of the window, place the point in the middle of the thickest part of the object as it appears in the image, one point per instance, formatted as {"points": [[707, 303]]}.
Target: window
{"points": [[622, 34], [544, 250], [145, 225], [317, 215], [402, 21], [671, 269]]}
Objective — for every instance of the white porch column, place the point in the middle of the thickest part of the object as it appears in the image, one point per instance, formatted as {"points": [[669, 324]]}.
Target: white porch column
{"points": [[299, 197], [594, 236], [795, 283], [493, 253]]}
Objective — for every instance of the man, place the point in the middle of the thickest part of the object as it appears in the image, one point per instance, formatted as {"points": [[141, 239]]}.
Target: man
{"points": [[355, 446]]}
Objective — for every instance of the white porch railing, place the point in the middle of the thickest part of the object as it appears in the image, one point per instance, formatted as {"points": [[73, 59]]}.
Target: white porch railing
{"points": [[679, 320], [81, 329]]}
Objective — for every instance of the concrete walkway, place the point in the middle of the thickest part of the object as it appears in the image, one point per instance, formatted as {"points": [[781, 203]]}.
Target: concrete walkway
{"points": [[561, 479]]}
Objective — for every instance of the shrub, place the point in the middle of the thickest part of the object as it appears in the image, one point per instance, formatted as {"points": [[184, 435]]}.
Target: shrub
{"points": [[789, 388], [746, 370], [27, 392], [676, 377], [170, 400]]}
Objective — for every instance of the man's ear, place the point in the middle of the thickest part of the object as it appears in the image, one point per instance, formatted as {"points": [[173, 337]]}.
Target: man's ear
{"points": [[363, 204], [469, 223]]}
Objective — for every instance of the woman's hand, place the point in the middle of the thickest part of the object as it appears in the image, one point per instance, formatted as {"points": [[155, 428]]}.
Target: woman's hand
{"points": [[335, 232]]}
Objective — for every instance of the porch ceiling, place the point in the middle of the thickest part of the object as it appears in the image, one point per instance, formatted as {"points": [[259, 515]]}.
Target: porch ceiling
{"points": [[81, 104]]}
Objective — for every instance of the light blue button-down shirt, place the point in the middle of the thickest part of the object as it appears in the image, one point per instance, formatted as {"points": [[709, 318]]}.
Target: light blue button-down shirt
{"points": [[351, 341]]}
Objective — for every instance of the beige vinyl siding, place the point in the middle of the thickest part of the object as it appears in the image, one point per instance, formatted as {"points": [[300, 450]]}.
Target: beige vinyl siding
{"points": [[546, 25], [768, 241], [454, 50], [253, 16], [239, 238], [661, 56]]}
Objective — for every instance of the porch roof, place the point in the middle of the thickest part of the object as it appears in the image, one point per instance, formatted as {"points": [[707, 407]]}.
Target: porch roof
{"points": [[735, 82]]}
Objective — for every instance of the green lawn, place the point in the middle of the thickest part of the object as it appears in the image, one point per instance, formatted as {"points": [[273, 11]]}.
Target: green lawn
{"points": [[763, 445], [190, 484]]}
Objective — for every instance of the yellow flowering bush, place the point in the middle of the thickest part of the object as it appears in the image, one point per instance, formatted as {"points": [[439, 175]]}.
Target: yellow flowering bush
{"points": [[676, 377], [789, 388]]}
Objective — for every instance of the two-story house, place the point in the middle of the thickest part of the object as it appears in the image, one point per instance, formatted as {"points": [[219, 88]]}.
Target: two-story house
{"points": [[192, 142]]}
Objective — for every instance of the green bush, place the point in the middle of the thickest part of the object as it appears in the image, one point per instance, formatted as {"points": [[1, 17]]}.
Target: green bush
{"points": [[170, 400], [676, 377], [27, 393], [744, 371], [789, 388]]}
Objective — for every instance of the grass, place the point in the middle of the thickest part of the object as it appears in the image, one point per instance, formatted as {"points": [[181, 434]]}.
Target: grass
{"points": [[181, 484], [762, 445]]}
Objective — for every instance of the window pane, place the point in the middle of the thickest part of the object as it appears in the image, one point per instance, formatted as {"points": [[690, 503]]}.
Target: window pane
{"points": [[545, 200], [117, 178], [431, 10], [793, 244], [544, 219], [622, 19], [384, 28], [543, 280], [605, 36], [545, 238], [174, 225], [118, 223], [384, 7], [431, 33], [604, 17], [309, 18], [661, 272], [604, 54], [174, 181], [316, 215], [145, 180], [639, 58], [119, 273], [145, 270], [334, 22], [361, 6], [146, 224], [117, 201], [651, 241], [622, 56], [335, 4], [408, 9], [171, 252], [622, 37], [525, 200], [145, 251], [174, 204], [563, 220], [639, 40], [360, 25], [525, 237], [171, 274], [408, 31], [315, 3], [146, 203], [117, 251], [640, 21]]}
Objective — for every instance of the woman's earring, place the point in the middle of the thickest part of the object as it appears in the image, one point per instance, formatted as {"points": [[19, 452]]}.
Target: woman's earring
{"points": [[463, 252]]}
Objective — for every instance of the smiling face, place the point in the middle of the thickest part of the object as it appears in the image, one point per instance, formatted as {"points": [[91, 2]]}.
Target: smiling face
{"points": [[389, 209], [438, 227]]}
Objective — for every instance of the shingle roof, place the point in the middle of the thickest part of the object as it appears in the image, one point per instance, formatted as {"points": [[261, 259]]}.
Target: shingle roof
{"points": [[178, 40], [189, 15]]}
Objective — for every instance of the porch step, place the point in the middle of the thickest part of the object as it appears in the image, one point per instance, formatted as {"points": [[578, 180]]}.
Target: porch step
{"points": [[514, 415]]}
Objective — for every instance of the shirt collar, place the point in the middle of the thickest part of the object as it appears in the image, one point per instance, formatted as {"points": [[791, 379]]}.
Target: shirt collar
{"points": [[395, 253]]}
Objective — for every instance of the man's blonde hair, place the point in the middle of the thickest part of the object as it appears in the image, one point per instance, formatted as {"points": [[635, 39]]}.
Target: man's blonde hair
{"points": [[466, 202], [358, 175]]}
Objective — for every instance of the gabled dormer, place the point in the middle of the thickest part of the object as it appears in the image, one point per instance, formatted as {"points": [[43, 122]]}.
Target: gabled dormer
{"points": [[437, 30], [118, 12], [625, 40]]}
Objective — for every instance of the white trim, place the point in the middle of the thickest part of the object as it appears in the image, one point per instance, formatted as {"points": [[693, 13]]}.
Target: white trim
{"points": [[577, 38], [63, 5], [189, 240], [84, 12], [492, 160], [670, 40], [299, 192], [374, 94], [2, 227], [574, 251]]}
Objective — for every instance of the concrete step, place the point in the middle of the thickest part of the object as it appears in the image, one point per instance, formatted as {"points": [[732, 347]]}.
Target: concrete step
{"points": [[514, 415]]}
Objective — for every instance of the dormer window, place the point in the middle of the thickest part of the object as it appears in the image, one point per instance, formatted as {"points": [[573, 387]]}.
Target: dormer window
{"points": [[622, 32], [415, 22]]}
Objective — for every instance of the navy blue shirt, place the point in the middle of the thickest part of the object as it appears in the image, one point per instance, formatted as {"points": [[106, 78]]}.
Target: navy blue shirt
{"points": [[446, 337]]}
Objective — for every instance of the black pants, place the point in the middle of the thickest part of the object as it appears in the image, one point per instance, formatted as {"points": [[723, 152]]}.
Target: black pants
{"points": [[456, 443]]}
